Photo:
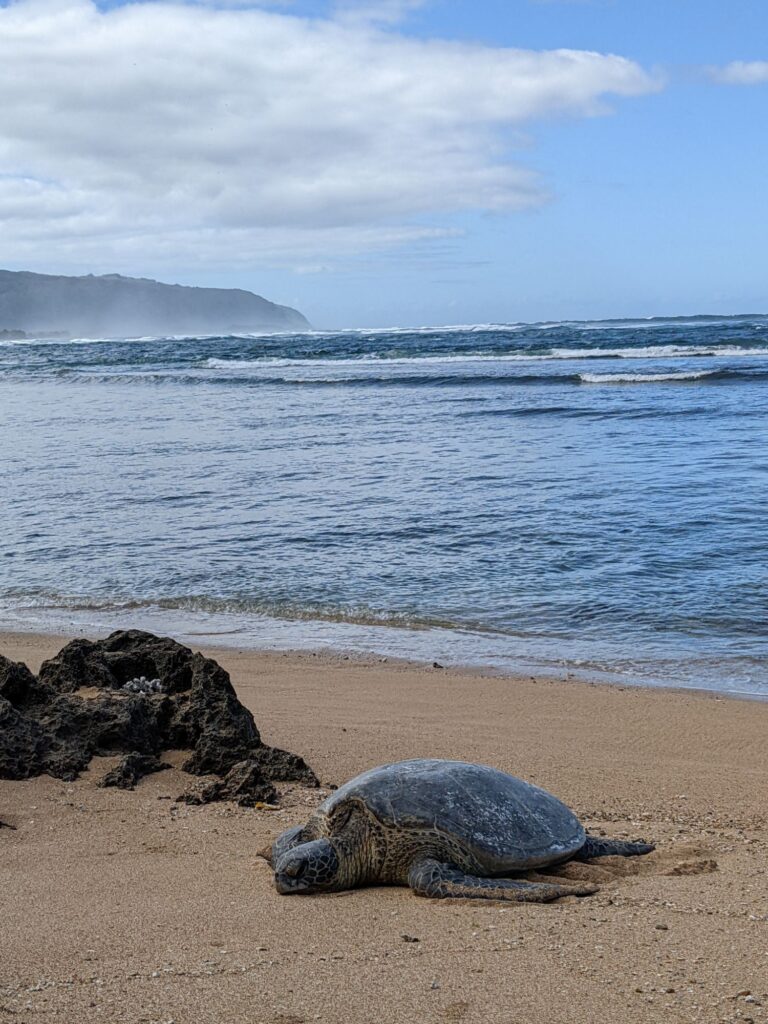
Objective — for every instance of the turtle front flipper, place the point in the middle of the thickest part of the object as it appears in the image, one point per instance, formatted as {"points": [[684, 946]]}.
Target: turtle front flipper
{"points": [[286, 841], [444, 881], [594, 847]]}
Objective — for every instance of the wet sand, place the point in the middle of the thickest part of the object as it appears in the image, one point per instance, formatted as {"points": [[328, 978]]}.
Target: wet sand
{"points": [[127, 907]]}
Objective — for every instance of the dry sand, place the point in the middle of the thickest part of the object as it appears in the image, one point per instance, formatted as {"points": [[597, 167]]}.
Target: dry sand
{"points": [[125, 907]]}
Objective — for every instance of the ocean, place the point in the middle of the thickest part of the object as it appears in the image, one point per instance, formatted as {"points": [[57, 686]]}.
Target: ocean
{"points": [[576, 499]]}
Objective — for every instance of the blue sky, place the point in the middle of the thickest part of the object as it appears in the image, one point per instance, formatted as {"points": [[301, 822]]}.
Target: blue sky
{"points": [[427, 183]]}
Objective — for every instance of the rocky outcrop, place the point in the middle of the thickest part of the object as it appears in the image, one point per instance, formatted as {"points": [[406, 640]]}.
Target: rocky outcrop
{"points": [[113, 305], [83, 704], [17, 684], [245, 784]]}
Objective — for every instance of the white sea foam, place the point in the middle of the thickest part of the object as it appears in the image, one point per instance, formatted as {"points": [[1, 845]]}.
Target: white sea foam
{"points": [[555, 353], [509, 328], [759, 323], [53, 342], [642, 378], [559, 354], [360, 362], [658, 352]]}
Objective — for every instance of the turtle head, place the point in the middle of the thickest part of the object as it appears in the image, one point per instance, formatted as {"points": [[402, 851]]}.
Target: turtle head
{"points": [[337, 849], [309, 867]]}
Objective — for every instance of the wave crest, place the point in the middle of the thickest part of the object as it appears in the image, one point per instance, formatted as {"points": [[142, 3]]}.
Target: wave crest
{"points": [[646, 378]]}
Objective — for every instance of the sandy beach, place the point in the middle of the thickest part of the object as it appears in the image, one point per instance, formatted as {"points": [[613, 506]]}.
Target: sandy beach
{"points": [[128, 907]]}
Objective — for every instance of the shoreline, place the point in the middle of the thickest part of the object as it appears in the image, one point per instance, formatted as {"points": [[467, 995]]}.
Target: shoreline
{"points": [[155, 911], [206, 640], [455, 650]]}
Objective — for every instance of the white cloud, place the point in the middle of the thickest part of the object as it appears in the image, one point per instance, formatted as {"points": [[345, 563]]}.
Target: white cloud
{"points": [[372, 11], [741, 72], [160, 130]]}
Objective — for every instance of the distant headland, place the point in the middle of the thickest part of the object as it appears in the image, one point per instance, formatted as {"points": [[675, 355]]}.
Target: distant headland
{"points": [[115, 306]]}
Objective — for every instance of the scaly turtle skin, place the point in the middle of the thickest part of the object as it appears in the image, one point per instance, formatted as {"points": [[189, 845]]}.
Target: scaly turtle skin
{"points": [[445, 828]]}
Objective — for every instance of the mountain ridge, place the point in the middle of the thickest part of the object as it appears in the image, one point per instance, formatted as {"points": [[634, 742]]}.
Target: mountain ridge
{"points": [[115, 305]]}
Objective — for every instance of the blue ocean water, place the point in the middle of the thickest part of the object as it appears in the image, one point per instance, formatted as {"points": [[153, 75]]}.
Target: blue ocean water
{"points": [[585, 498]]}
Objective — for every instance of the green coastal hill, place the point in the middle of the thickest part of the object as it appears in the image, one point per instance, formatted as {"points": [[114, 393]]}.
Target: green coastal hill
{"points": [[114, 306]]}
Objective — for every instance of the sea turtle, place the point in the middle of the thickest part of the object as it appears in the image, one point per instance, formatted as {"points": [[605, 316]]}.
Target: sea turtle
{"points": [[445, 828]]}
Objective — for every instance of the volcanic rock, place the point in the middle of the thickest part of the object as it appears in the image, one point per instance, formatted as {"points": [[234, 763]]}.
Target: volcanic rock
{"points": [[18, 685], [77, 708], [124, 656], [22, 744], [131, 768], [245, 784]]}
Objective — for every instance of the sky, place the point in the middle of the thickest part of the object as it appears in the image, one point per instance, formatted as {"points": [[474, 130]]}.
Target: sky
{"points": [[398, 162]]}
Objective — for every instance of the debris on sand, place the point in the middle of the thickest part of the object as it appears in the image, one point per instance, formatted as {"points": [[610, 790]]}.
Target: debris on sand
{"points": [[145, 695]]}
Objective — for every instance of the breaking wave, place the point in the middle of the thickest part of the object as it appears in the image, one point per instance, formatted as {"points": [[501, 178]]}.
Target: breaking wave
{"points": [[647, 352], [653, 378]]}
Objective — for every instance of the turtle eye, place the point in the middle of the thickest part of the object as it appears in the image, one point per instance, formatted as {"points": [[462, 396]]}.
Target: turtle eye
{"points": [[295, 868]]}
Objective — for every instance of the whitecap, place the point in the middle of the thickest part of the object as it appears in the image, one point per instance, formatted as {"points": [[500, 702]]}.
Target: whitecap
{"points": [[644, 378]]}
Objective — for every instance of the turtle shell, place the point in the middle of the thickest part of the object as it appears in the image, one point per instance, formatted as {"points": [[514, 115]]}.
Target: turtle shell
{"points": [[505, 823]]}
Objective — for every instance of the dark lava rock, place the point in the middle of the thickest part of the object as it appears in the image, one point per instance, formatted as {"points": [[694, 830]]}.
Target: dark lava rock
{"points": [[280, 765], [124, 655], [131, 768], [47, 725], [18, 685], [22, 744], [245, 783]]}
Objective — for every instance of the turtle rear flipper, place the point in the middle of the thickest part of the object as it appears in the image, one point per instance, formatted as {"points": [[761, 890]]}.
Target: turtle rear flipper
{"points": [[595, 847], [444, 881]]}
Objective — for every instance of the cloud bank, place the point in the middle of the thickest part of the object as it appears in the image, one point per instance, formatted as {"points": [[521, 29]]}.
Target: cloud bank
{"points": [[164, 132]]}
